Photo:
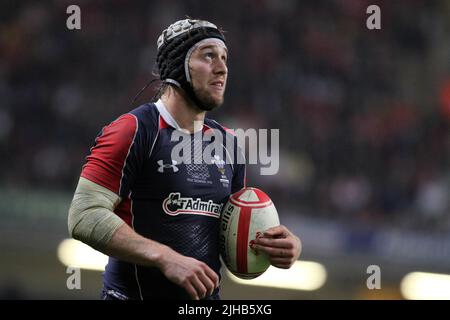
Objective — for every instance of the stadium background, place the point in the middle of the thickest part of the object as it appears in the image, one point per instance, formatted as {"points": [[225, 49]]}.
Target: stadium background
{"points": [[363, 116]]}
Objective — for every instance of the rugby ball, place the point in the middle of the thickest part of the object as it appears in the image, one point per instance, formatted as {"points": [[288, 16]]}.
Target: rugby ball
{"points": [[246, 215]]}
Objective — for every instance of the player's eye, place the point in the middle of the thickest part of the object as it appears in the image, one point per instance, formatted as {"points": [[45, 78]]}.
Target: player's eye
{"points": [[209, 55]]}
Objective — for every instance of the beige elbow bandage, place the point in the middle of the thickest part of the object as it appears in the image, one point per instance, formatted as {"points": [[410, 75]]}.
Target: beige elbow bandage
{"points": [[91, 214]]}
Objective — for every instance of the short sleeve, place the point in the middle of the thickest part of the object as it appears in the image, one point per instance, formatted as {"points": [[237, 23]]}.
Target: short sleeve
{"points": [[117, 156]]}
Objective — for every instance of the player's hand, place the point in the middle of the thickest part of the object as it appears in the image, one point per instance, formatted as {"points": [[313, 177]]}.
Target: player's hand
{"points": [[282, 246], [193, 275]]}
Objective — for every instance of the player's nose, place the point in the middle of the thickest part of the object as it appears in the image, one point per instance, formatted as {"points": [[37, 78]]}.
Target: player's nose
{"points": [[220, 67]]}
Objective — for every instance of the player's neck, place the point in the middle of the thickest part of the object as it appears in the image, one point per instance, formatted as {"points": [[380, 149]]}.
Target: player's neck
{"points": [[185, 113]]}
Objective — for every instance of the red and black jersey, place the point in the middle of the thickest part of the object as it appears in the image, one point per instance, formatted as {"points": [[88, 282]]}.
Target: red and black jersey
{"points": [[172, 202]]}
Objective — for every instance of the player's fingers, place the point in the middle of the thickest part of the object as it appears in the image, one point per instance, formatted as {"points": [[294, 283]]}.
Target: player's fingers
{"points": [[208, 283], [276, 243], [191, 290], [280, 261], [198, 286], [275, 252], [260, 248], [212, 275], [278, 231]]}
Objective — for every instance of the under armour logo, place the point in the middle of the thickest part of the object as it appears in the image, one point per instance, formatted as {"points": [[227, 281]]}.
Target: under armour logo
{"points": [[163, 166]]}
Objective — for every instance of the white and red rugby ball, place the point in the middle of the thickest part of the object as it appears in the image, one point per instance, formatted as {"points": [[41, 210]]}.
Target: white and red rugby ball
{"points": [[246, 215]]}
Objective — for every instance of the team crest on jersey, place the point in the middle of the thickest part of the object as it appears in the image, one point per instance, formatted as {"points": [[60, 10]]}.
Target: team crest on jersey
{"points": [[221, 167], [175, 204], [219, 163]]}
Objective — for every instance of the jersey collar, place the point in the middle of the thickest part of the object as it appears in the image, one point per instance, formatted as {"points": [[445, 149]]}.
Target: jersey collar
{"points": [[166, 115]]}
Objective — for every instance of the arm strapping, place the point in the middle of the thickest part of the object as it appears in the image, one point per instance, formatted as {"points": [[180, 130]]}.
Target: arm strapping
{"points": [[91, 215]]}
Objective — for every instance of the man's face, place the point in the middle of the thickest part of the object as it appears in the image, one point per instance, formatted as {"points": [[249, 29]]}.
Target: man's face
{"points": [[208, 71]]}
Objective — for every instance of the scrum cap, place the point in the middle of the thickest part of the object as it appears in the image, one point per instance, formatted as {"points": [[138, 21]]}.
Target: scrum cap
{"points": [[175, 46]]}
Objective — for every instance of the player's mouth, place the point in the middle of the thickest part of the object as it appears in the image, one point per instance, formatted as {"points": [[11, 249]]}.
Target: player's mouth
{"points": [[218, 85]]}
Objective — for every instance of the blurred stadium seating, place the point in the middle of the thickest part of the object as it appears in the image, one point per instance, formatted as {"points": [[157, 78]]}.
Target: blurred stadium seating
{"points": [[363, 115]]}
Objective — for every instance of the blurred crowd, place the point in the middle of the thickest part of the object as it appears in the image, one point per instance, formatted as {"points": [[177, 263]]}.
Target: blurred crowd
{"points": [[364, 115]]}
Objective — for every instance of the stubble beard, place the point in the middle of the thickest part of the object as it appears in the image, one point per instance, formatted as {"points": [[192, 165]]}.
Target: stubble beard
{"points": [[208, 102]]}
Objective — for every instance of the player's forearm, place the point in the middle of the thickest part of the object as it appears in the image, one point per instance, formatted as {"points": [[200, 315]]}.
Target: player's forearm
{"points": [[129, 246], [92, 220]]}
